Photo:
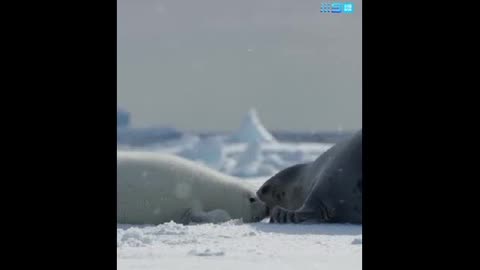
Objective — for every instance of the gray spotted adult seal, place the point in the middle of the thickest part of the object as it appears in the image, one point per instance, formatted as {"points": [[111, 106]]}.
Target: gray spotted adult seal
{"points": [[326, 190]]}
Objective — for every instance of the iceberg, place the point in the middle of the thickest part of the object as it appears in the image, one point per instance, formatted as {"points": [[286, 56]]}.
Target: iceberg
{"points": [[252, 129]]}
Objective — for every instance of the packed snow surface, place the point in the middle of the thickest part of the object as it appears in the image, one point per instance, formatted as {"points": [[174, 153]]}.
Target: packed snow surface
{"points": [[234, 245]]}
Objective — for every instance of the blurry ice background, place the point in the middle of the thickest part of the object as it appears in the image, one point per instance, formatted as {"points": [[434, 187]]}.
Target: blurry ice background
{"points": [[250, 151]]}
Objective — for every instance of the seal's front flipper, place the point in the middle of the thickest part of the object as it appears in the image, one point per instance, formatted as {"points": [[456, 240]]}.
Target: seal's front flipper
{"points": [[186, 217], [282, 215]]}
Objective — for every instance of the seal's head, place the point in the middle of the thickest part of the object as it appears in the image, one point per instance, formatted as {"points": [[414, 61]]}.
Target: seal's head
{"points": [[284, 189], [254, 209]]}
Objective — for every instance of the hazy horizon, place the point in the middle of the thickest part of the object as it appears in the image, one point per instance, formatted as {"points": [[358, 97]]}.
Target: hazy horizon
{"points": [[201, 65]]}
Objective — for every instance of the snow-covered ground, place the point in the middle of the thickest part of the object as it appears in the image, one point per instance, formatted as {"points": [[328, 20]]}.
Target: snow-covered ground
{"points": [[254, 155], [239, 246]]}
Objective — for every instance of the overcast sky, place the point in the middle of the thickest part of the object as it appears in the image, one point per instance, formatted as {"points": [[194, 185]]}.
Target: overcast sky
{"points": [[200, 65]]}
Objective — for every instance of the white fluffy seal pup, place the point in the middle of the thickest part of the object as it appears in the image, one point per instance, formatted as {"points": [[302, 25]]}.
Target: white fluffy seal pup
{"points": [[154, 188]]}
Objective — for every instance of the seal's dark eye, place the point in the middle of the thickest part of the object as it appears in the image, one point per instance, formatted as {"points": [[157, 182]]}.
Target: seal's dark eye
{"points": [[252, 200]]}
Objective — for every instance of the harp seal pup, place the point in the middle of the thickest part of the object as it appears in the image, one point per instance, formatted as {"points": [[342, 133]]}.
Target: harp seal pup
{"points": [[327, 190], [155, 188]]}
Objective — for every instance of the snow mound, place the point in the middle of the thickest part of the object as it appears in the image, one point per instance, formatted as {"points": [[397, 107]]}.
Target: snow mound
{"points": [[251, 129], [133, 237]]}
